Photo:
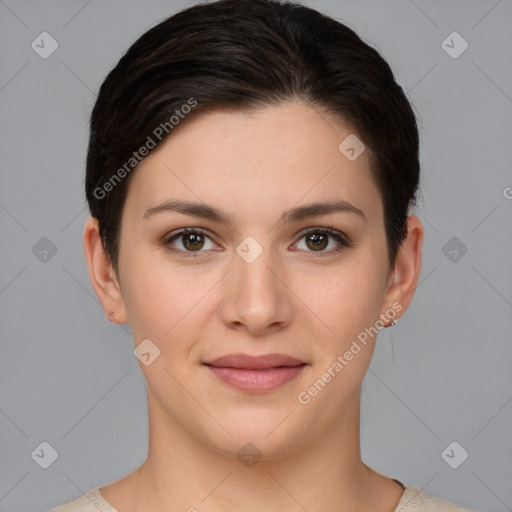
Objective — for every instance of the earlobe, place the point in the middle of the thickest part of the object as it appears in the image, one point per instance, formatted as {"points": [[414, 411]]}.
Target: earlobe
{"points": [[404, 277], [102, 275]]}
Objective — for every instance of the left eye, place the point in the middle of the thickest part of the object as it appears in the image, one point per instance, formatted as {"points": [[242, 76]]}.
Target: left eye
{"points": [[318, 240]]}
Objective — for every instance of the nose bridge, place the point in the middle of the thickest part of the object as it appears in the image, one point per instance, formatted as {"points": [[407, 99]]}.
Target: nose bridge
{"points": [[256, 297], [252, 270]]}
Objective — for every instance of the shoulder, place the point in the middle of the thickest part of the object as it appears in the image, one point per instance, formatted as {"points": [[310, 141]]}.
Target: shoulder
{"points": [[91, 501], [414, 500]]}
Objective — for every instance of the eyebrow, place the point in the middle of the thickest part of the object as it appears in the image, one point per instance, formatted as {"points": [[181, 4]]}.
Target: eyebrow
{"points": [[205, 211]]}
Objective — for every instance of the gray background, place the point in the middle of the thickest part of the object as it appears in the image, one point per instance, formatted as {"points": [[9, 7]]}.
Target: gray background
{"points": [[443, 374]]}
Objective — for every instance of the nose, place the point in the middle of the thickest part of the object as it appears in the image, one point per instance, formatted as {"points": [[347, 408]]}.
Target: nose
{"points": [[256, 298]]}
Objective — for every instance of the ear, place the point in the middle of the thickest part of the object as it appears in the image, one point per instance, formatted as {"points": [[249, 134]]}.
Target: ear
{"points": [[404, 276], [101, 272]]}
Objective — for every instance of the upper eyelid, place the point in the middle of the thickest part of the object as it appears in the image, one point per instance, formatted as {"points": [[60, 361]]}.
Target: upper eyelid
{"points": [[330, 231], [184, 231]]}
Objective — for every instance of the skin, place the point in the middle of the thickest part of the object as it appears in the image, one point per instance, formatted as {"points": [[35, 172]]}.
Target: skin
{"points": [[253, 166]]}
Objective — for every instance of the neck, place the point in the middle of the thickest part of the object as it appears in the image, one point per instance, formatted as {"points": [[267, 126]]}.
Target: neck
{"points": [[181, 473]]}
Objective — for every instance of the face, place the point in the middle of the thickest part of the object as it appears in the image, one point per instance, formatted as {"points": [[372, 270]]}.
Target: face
{"points": [[260, 271]]}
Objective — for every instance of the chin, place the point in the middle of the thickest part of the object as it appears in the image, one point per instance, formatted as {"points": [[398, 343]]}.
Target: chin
{"points": [[264, 434]]}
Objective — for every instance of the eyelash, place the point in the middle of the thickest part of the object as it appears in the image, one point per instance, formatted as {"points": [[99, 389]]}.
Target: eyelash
{"points": [[343, 242]]}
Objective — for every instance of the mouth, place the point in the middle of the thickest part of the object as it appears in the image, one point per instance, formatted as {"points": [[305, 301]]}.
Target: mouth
{"points": [[256, 373]]}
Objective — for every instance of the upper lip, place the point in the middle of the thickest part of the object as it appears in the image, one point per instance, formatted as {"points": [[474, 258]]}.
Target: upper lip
{"points": [[247, 362]]}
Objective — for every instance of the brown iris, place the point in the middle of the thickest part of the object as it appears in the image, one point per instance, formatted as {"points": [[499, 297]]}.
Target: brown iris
{"points": [[193, 241], [318, 240]]}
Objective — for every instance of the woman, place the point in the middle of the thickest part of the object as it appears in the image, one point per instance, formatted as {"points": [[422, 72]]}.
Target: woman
{"points": [[250, 173]]}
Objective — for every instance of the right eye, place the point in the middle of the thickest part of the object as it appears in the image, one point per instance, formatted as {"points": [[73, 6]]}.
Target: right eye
{"points": [[192, 240]]}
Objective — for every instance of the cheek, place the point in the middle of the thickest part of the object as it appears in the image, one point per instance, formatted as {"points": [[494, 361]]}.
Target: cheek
{"points": [[347, 301], [344, 300], [161, 299]]}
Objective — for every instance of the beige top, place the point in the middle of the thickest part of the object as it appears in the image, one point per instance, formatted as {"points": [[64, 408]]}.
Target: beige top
{"points": [[413, 500]]}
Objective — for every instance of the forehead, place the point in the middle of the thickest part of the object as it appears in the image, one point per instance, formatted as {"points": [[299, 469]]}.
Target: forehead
{"points": [[274, 154]]}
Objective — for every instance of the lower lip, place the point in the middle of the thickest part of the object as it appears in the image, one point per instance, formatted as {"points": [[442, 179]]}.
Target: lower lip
{"points": [[257, 380]]}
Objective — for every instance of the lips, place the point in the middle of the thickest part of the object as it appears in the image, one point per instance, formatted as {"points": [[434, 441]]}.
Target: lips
{"points": [[246, 362], [256, 374]]}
